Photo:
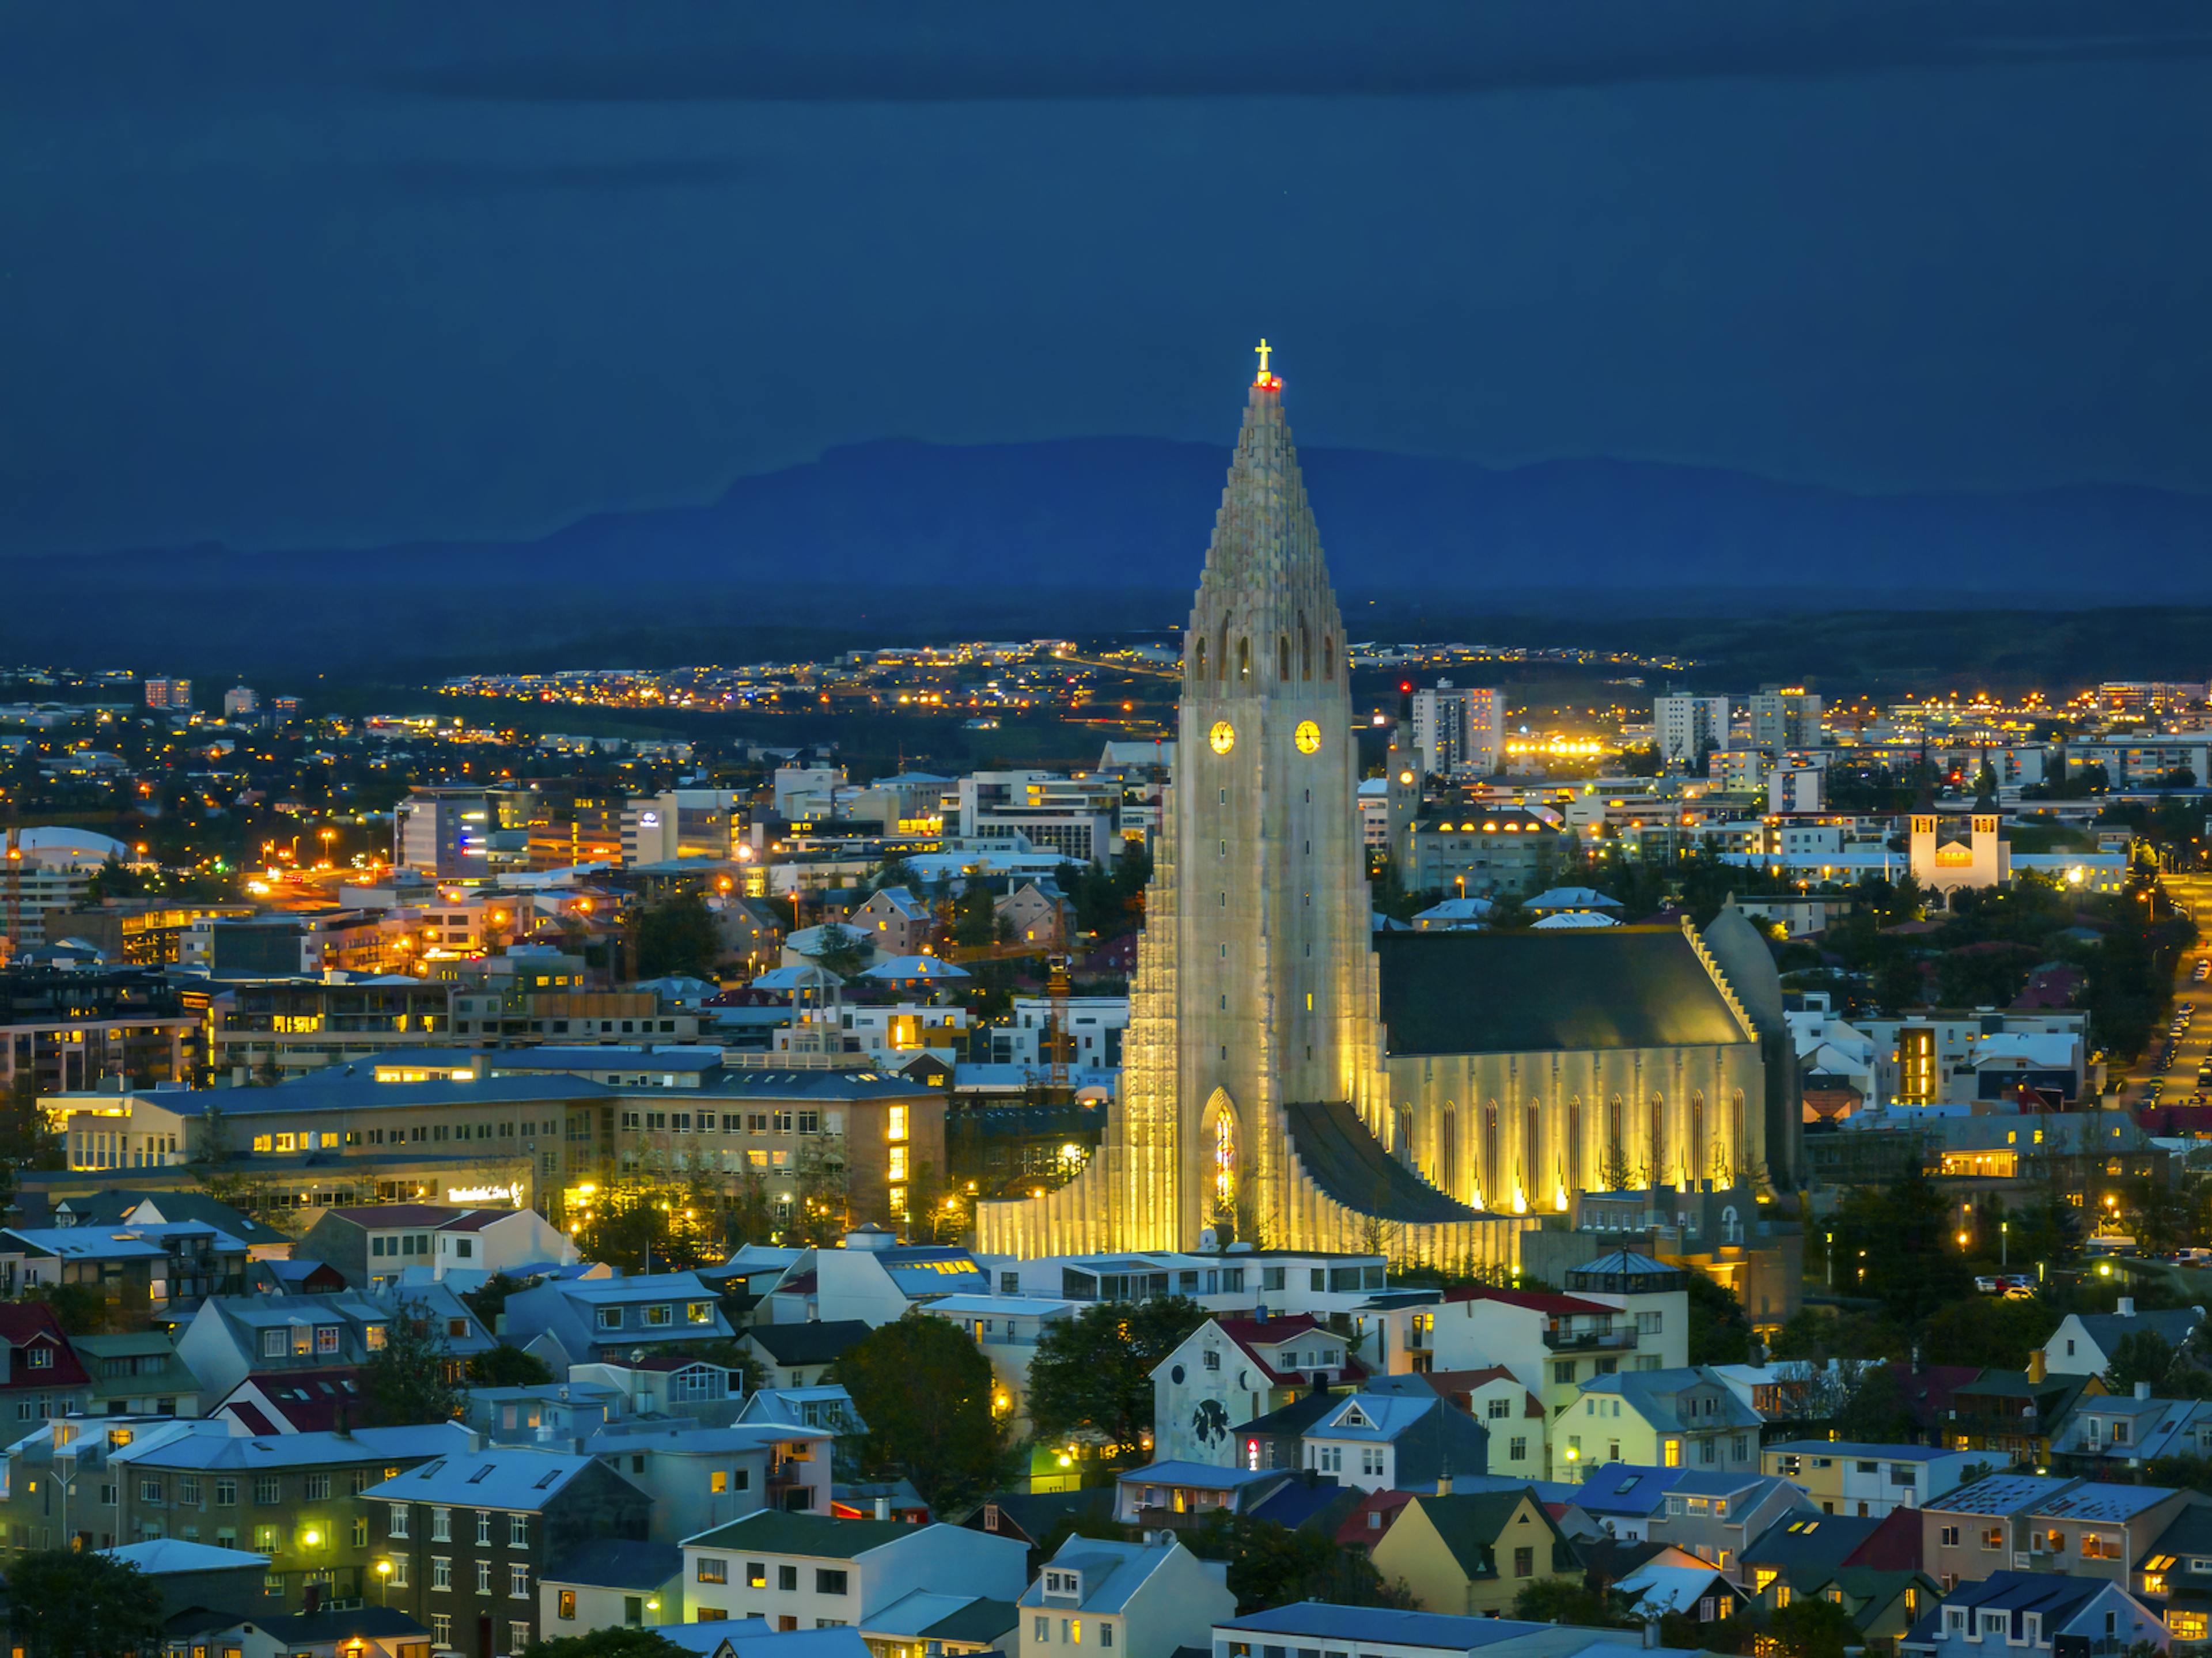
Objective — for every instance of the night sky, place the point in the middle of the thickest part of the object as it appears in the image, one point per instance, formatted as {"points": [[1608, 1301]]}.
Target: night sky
{"points": [[330, 276]]}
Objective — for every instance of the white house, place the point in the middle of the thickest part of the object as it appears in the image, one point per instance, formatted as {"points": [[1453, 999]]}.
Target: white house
{"points": [[808, 1571], [1141, 1599], [1232, 1370]]}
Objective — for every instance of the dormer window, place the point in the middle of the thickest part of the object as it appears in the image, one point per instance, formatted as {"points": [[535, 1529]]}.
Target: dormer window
{"points": [[610, 1318], [38, 1358], [1354, 1418], [1069, 1584]]}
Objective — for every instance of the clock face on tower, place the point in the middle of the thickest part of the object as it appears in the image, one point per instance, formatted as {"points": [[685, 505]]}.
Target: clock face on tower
{"points": [[1308, 736], [1223, 737]]}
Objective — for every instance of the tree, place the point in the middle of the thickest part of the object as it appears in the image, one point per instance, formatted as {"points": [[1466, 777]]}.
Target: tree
{"points": [[677, 935], [1985, 1330], [840, 951], [81, 1308], [1570, 1600], [1271, 1565], [2139, 1356], [488, 1299], [115, 879], [1875, 1412], [508, 1366], [1810, 1627], [925, 1389], [408, 1379], [1093, 1374], [1898, 1244], [1719, 1332], [67, 1604], [611, 1642]]}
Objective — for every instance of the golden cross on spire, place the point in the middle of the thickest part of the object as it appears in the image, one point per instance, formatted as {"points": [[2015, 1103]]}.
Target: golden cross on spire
{"points": [[1263, 347]]}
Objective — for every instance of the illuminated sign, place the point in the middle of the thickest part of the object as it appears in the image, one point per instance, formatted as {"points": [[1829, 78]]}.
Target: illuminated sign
{"points": [[506, 1194]]}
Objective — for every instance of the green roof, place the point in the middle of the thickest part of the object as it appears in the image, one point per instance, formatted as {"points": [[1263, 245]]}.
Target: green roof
{"points": [[978, 1621], [1471, 1524], [772, 1531], [1541, 993]]}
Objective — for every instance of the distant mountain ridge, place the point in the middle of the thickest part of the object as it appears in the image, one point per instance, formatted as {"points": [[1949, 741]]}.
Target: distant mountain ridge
{"points": [[1135, 513], [894, 535]]}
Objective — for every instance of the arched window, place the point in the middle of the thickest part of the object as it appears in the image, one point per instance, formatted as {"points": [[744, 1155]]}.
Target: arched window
{"points": [[1198, 662], [1739, 1148], [1328, 657], [1657, 1172], [1305, 648], [1731, 1226], [1696, 1157], [1532, 1152], [1244, 659], [1493, 1188], [1575, 1143], [1283, 657], [1448, 1149], [1220, 1132], [1221, 651], [1613, 1170]]}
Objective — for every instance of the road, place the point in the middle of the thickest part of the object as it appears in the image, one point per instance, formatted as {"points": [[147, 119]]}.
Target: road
{"points": [[2192, 893]]}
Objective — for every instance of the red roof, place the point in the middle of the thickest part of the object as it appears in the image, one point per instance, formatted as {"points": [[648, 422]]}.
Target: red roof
{"points": [[1893, 1545], [1251, 1335], [32, 1325], [1458, 1385], [475, 1220], [1540, 1301], [382, 1217], [299, 1402], [1357, 1533]]}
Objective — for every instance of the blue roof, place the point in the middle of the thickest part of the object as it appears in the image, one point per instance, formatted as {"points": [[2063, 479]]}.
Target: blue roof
{"points": [[1327, 1620], [1626, 1488], [1860, 1448], [1207, 1475]]}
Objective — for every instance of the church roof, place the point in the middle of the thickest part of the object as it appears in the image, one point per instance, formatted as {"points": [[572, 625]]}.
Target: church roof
{"points": [[1343, 1158], [1525, 992]]}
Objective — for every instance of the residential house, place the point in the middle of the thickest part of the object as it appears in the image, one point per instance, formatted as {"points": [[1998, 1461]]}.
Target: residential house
{"points": [[2177, 1570], [1802, 1546], [2084, 1344], [1882, 1606], [948, 1625], [1847, 1476], [137, 1271], [296, 1401], [1174, 1495], [895, 921], [138, 1374], [558, 1415], [1471, 1554], [294, 1278], [1232, 1370], [2108, 1433], [1029, 1517], [1675, 1584], [1716, 1515], [195, 1574], [1039, 912], [797, 1355], [1515, 1418], [351, 1631], [1378, 1441], [674, 1383], [114, 1208], [40, 1375], [469, 1536], [2024, 1523], [1007, 1328], [1548, 1340], [582, 1321], [2032, 1612], [1140, 1598], [825, 1406], [2014, 1416], [610, 1583], [374, 1243], [232, 1337], [702, 1477], [809, 1571], [1680, 1418], [1622, 1500], [288, 1496], [873, 1277]]}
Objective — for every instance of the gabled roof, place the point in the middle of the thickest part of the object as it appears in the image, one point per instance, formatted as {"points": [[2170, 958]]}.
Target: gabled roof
{"points": [[1458, 1385], [1471, 1525], [162, 1555], [1112, 1571], [1811, 1541], [1540, 1301], [33, 1323], [1380, 1418], [1627, 1488]]}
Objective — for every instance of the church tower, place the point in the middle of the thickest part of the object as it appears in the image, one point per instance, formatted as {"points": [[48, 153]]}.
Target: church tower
{"points": [[1253, 1060]]}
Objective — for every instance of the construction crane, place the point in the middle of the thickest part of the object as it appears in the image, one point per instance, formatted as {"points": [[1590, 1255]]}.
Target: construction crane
{"points": [[14, 886], [1056, 987]]}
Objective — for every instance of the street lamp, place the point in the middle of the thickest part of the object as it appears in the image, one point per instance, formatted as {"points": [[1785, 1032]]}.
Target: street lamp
{"points": [[2004, 1243], [384, 1579]]}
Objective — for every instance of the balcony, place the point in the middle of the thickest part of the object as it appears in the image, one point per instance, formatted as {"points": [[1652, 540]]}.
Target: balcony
{"points": [[1589, 1341]]}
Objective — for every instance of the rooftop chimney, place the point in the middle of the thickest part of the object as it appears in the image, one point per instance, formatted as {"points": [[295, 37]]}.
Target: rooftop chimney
{"points": [[2127, 1307], [1651, 1633], [882, 1508], [2036, 1367], [2143, 1390]]}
